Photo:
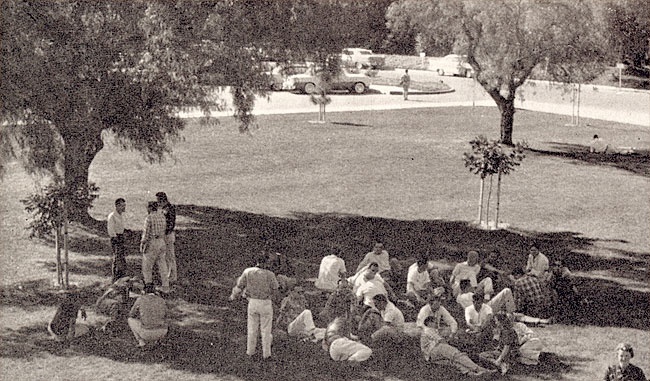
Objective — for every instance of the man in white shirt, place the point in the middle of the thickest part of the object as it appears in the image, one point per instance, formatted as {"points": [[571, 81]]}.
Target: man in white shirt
{"points": [[469, 270], [537, 264], [418, 282], [332, 268], [369, 284], [115, 227], [444, 322], [478, 314], [378, 255]]}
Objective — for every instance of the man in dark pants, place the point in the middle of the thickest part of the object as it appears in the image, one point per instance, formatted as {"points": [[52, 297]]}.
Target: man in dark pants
{"points": [[115, 227]]}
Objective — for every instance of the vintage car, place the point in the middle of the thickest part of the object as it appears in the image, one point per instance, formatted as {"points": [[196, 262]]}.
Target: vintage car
{"points": [[309, 82], [360, 58], [278, 74]]}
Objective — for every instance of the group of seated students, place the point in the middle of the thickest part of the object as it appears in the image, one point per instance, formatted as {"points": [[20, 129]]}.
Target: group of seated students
{"points": [[367, 313]]}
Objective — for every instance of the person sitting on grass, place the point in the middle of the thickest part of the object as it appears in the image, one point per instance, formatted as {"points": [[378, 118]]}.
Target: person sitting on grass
{"points": [[478, 315], [382, 324], [116, 303], [147, 318], [418, 282], [64, 327], [435, 349], [502, 301], [341, 303], [296, 318], [470, 270], [342, 345], [532, 297], [445, 323], [331, 270], [505, 344], [379, 256]]}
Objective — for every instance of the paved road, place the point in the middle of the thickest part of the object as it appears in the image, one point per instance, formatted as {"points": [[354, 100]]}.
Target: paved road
{"points": [[605, 103]]}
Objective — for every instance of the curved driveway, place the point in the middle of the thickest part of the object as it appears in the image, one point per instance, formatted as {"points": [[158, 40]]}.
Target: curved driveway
{"points": [[597, 102]]}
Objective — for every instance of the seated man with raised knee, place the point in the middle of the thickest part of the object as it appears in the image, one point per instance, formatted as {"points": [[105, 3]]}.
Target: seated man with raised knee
{"points": [[436, 349]]}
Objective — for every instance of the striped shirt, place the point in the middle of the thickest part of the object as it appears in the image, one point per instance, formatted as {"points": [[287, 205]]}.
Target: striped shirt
{"points": [[154, 227]]}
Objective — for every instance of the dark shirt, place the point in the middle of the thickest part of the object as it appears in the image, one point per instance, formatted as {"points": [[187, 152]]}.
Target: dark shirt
{"points": [[631, 373], [66, 311], [339, 304], [370, 322], [170, 217], [508, 336]]}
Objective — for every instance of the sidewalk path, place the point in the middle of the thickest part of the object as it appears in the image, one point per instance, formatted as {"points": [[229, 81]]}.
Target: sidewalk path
{"points": [[596, 102]]}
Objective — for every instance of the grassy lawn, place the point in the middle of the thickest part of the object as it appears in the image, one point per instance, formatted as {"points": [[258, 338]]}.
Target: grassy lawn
{"points": [[393, 175]]}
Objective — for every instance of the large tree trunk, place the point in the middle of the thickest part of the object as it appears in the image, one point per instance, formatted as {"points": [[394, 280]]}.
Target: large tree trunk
{"points": [[81, 146], [507, 109]]}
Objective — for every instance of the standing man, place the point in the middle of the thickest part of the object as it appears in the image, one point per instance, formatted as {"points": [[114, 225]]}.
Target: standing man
{"points": [[115, 226], [152, 247], [260, 285], [169, 211], [405, 82]]}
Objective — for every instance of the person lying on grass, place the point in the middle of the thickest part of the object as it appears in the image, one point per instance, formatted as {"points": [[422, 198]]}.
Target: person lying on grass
{"points": [[436, 350], [64, 327]]}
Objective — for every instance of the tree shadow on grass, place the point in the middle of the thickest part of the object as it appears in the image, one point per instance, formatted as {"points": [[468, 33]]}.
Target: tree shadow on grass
{"points": [[214, 245], [637, 163]]}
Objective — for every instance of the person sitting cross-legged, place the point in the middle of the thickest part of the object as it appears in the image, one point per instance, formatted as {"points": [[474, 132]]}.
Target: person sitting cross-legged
{"points": [[331, 270], [436, 350], [116, 302], [147, 318]]}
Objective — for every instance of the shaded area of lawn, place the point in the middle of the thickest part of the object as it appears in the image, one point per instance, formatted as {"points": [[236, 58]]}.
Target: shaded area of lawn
{"points": [[214, 245], [637, 163]]}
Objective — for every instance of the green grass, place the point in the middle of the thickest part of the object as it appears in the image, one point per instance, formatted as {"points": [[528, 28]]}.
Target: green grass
{"points": [[397, 175]]}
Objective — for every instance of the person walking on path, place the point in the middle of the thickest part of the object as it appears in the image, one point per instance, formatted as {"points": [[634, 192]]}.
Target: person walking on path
{"points": [[258, 285], [169, 211], [405, 82], [152, 247], [115, 227]]}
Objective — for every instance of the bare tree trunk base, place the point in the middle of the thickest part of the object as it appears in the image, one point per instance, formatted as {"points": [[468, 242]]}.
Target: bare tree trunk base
{"points": [[491, 225]]}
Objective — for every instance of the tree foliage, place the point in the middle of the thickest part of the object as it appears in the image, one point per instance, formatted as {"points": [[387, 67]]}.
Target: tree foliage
{"points": [[78, 72], [505, 40], [627, 24]]}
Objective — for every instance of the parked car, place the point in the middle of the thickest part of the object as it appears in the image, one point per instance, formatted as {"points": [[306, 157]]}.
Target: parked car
{"points": [[279, 74], [453, 64], [309, 82], [360, 58]]}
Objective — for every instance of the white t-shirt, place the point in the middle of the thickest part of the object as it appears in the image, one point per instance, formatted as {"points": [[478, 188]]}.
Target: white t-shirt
{"points": [[328, 273], [371, 288], [465, 300], [393, 315], [465, 271], [476, 319], [416, 279]]}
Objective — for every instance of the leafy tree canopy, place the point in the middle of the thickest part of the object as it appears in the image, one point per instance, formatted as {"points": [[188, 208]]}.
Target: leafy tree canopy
{"points": [[505, 40]]}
